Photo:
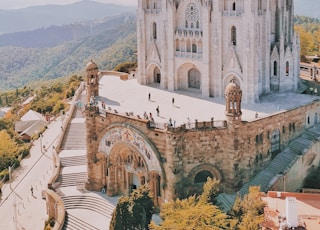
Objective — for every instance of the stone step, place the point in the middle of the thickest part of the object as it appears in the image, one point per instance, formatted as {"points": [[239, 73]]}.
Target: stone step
{"points": [[73, 223], [74, 137], [72, 179], [95, 204], [73, 161]]}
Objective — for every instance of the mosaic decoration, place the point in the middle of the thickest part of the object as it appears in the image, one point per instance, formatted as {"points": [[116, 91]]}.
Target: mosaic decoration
{"points": [[121, 134]]}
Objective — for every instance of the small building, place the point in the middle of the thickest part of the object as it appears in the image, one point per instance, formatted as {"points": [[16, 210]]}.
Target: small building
{"points": [[285, 209], [29, 125]]}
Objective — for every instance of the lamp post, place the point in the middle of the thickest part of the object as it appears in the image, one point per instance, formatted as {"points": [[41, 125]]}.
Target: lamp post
{"points": [[14, 201], [40, 137]]}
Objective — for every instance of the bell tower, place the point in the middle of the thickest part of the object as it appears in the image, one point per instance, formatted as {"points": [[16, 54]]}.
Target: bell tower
{"points": [[233, 95], [92, 71]]}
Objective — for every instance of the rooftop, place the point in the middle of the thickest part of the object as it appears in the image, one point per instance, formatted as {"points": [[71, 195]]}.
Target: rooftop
{"points": [[129, 96], [308, 209]]}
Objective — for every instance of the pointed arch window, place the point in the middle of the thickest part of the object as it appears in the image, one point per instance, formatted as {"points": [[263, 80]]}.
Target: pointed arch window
{"points": [[234, 6], [287, 68], [154, 30], [186, 25], [194, 48], [233, 35], [259, 4], [275, 68], [197, 24]]}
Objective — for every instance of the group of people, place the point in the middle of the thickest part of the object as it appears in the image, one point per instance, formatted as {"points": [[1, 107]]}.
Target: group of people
{"points": [[150, 117]]}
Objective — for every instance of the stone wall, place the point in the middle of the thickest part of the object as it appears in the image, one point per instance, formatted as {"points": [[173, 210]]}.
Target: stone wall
{"points": [[292, 180], [234, 153]]}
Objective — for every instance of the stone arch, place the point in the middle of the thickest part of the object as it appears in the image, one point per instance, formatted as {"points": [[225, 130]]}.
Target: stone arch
{"points": [[154, 73], [194, 79], [211, 169], [183, 77], [198, 176], [275, 70], [131, 161]]}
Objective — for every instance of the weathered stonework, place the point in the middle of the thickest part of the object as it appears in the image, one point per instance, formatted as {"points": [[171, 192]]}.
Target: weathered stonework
{"points": [[201, 46], [125, 151]]}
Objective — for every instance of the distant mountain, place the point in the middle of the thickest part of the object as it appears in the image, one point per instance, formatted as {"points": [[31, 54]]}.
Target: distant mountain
{"points": [[35, 17], [56, 35], [109, 42], [310, 8]]}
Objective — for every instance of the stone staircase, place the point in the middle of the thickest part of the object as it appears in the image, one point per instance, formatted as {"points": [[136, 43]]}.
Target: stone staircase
{"points": [[73, 161], [281, 163], [74, 223], [95, 204], [83, 212], [75, 135], [72, 179]]}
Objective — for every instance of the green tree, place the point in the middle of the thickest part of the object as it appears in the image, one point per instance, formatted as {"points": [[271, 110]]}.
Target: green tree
{"points": [[210, 191], [312, 180], [306, 41], [194, 212], [189, 214], [249, 210], [134, 211], [7, 100]]}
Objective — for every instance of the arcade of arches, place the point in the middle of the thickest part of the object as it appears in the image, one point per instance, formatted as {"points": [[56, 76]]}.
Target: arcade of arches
{"points": [[192, 77]]}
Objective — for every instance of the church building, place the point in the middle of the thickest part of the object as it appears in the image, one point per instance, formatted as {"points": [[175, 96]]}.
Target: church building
{"points": [[200, 45], [239, 50]]}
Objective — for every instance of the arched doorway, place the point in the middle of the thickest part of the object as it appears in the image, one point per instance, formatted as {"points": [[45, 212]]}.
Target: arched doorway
{"points": [[202, 177], [127, 169], [131, 162], [199, 175], [194, 79], [157, 75]]}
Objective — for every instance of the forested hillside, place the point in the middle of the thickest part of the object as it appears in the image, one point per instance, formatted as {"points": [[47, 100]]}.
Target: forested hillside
{"points": [[309, 30], [107, 46]]}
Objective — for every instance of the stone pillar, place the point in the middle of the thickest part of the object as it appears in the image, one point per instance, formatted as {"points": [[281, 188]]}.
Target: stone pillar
{"points": [[111, 189]]}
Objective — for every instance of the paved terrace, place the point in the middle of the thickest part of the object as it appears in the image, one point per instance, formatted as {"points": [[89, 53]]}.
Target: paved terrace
{"points": [[129, 96]]}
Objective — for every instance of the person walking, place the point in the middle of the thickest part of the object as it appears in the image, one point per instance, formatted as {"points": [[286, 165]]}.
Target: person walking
{"points": [[31, 189], [173, 101], [158, 111], [149, 96]]}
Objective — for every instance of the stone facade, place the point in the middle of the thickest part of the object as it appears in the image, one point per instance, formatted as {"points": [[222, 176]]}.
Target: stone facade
{"points": [[201, 45], [233, 49], [125, 151]]}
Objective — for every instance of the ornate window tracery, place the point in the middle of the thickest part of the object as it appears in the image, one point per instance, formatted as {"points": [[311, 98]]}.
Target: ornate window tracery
{"points": [[192, 15]]}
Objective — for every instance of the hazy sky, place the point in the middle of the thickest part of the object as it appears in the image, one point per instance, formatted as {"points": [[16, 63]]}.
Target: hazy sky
{"points": [[15, 4]]}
